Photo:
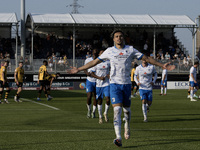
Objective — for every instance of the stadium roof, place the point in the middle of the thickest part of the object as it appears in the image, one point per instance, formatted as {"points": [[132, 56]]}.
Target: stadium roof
{"points": [[8, 18], [112, 19]]}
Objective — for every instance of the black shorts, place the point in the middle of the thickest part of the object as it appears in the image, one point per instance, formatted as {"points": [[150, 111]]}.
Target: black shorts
{"points": [[42, 83], [6, 85], [20, 84], [134, 84], [48, 83]]}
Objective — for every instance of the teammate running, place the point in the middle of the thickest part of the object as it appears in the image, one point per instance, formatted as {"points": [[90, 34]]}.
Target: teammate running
{"points": [[102, 71], [164, 82], [91, 86], [145, 73]]}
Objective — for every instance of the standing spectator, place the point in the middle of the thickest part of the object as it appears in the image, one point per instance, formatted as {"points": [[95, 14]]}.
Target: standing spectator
{"points": [[27, 65], [87, 55]]}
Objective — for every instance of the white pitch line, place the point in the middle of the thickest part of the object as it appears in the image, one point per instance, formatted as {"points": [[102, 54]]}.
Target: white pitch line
{"points": [[105, 130], [40, 104]]}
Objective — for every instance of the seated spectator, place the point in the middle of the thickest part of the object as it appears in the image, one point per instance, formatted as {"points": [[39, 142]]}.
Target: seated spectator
{"points": [[152, 55], [189, 60], [186, 63], [27, 64], [66, 63], [175, 56], [87, 55], [50, 62], [60, 64], [158, 57], [181, 56], [167, 56], [178, 50], [104, 44], [1, 56]]}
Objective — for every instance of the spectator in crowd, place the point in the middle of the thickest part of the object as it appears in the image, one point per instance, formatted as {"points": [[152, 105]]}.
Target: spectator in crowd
{"points": [[189, 59], [27, 64], [50, 62], [88, 55], [158, 57], [1, 56], [167, 56], [176, 56], [104, 44], [186, 63], [61, 64], [66, 63], [146, 47], [178, 50]]}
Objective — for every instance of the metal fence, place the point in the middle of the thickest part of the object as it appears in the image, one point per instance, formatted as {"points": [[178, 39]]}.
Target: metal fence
{"points": [[62, 67]]}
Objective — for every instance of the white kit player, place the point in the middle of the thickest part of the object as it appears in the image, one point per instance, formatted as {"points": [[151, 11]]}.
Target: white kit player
{"points": [[193, 80], [102, 73], [164, 82], [145, 72], [91, 86], [120, 56]]}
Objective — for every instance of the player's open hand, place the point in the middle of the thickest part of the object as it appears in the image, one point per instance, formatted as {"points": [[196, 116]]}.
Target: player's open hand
{"points": [[74, 70], [168, 66]]}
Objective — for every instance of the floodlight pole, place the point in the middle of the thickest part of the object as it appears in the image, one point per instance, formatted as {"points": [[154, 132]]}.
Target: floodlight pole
{"points": [[23, 30], [74, 46]]}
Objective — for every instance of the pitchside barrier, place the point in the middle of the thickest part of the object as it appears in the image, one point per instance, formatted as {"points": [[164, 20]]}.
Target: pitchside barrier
{"points": [[77, 82]]}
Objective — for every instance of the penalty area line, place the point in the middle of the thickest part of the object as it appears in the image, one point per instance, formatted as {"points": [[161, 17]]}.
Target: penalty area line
{"points": [[28, 100]]}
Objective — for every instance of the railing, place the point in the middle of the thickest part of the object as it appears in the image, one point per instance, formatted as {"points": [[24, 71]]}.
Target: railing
{"points": [[55, 67]]}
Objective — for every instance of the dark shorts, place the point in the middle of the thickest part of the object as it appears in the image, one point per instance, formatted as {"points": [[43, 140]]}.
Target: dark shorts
{"points": [[48, 83], [134, 84], [6, 85], [20, 84], [42, 82]]}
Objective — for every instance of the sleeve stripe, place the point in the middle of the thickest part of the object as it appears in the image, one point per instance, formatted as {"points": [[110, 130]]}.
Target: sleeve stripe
{"points": [[141, 57], [100, 59]]}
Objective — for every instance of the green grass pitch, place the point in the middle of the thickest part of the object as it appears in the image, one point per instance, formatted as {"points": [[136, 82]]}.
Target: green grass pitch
{"points": [[61, 124]]}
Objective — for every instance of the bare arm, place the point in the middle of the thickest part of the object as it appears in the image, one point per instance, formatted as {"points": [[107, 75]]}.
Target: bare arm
{"points": [[193, 78], [16, 77], [97, 77], [152, 61], [85, 67]]}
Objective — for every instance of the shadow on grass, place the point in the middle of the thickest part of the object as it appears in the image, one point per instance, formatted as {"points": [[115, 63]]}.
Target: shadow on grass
{"points": [[164, 142]]}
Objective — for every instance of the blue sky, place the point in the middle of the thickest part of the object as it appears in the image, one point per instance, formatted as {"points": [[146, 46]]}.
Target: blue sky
{"points": [[190, 8]]}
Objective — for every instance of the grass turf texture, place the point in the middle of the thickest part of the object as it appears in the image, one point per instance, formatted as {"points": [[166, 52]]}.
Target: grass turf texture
{"points": [[174, 123]]}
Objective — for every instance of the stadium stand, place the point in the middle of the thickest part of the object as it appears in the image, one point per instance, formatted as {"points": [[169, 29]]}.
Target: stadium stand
{"points": [[54, 36]]}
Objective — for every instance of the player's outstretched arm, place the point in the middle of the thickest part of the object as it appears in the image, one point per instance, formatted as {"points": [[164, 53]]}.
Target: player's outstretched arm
{"points": [[154, 62], [91, 64]]}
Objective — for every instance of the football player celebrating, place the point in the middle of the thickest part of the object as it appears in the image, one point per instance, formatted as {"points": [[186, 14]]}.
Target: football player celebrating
{"points": [[120, 56]]}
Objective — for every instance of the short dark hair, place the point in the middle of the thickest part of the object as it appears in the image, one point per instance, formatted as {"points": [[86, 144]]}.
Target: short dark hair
{"points": [[44, 61], [115, 31], [196, 62]]}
